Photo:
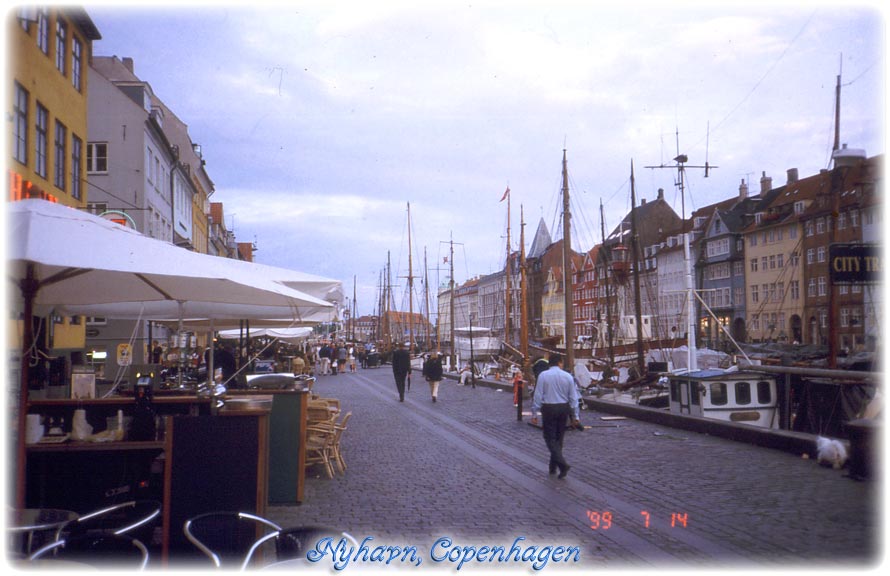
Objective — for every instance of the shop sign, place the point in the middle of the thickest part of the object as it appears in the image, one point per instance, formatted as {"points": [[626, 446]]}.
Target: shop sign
{"points": [[854, 264]]}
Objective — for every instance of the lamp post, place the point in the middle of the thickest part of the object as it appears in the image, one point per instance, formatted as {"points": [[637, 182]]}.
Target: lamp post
{"points": [[472, 358]]}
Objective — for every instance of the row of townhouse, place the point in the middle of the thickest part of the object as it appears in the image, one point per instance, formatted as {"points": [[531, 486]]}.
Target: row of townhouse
{"points": [[759, 266], [88, 133]]}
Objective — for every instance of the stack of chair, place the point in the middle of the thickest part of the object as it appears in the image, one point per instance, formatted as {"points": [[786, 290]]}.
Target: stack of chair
{"points": [[323, 443]]}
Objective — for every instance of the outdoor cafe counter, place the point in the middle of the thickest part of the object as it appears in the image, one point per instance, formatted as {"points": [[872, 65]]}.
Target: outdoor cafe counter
{"points": [[203, 463]]}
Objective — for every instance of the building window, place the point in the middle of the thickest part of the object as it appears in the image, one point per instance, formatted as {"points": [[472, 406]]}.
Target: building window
{"points": [[798, 207], [811, 287], [43, 30], [854, 218], [61, 43], [792, 232], [40, 146], [809, 230], [60, 159], [823, 287], [76, 166], [753, 264], [823, 319], [820, 254], [752, 240], [845, 317], [794, 287], [20, 125], [755, 293], [794, 260], [76, 63], [780, 260], [97, 157], [738, 268], [820, 226], [811, 254], [842, 221]]}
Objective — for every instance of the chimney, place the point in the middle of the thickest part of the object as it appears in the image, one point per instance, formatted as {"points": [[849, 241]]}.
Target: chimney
{"points": [[642, 201], [128, 64], [660, 194], [792, 175], [743, 190], [766, 183]]}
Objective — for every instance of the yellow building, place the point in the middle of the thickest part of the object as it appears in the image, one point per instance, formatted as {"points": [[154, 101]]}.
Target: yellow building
{"points": [[774, 269], [46, 94]]}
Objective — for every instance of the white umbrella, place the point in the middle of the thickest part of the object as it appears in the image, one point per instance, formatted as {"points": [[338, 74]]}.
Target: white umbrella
{"points": [[61, 257], [77, 259]]}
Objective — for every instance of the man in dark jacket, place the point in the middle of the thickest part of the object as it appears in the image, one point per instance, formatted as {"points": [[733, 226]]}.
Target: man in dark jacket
{"points": [[401, 366]]}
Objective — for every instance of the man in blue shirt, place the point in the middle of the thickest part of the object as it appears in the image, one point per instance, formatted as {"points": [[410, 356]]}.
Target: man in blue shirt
{"points": [[556, 398]]}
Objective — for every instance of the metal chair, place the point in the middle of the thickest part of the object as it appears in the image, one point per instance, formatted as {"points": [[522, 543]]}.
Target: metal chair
{"points": [[229, 538], [136, 518], [97, 550], [295, 542]]}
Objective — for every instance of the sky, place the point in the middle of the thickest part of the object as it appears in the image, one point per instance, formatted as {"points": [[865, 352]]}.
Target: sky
{"points": [[321, 121]]}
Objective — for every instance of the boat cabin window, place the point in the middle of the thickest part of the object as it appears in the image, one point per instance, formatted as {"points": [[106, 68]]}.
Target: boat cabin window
{"points": [[675, 390], [764, 392], [696, 397], [742, 393], [718, 394]]}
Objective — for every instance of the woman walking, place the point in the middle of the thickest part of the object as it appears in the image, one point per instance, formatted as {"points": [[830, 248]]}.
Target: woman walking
{"points": [[432, 372]]}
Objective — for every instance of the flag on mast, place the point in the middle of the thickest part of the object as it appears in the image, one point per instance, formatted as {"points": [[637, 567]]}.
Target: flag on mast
{"points": [[506, 193]]}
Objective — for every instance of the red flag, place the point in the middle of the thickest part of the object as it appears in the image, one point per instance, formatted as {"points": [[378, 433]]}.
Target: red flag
{"points": [[506, 193]]}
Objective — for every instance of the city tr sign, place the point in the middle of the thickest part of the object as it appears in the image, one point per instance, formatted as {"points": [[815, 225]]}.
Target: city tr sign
{"points": [[854, 263]]}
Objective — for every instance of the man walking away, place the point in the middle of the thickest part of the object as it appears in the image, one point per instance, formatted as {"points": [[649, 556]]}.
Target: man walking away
{"points": [[401, 365], [556, 398]]}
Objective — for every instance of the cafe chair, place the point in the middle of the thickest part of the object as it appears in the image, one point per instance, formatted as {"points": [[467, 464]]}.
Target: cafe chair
{"points": [[320, 445], [136, 518], [229, 539], [294, 542], [336, 453], [97, 550]]}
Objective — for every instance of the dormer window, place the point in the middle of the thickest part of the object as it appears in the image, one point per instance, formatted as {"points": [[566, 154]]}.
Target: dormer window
{"points": [[798, 207]]}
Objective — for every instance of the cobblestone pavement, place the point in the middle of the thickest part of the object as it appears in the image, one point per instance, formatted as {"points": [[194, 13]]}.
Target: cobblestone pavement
{"points": [[638, 495]]}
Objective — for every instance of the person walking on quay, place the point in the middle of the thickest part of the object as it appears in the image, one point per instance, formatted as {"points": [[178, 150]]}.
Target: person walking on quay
{"points": [[342, 358], [432, 372], [556, 398], [401, 366]]}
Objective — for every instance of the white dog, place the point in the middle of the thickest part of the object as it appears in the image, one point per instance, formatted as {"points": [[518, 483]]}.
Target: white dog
{"points": [[831, 452]]}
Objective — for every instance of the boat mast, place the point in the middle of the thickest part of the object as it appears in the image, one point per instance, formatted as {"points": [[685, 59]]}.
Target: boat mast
{"points": [[635, 248], [835, 209], [410, 287], [608, 289], [567, 270], [507, 274], [387, 287], [354, 307], [692, 356], [426, 295], [523, 310], [451, 304]]}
